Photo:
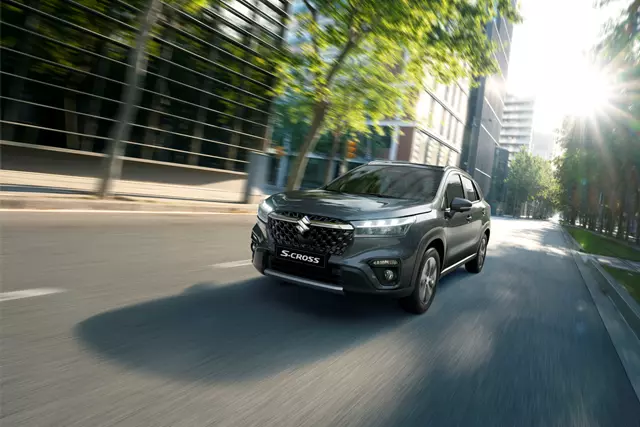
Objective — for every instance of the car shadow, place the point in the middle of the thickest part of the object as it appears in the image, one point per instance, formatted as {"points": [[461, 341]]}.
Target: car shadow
{"points": [[241, 331], [235, 332]]}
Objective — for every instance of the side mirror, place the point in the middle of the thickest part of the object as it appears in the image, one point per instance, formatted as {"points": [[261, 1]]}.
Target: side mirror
{"points": [[460, 205]]}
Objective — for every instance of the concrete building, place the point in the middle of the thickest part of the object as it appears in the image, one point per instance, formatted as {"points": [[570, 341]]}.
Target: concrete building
{"points": [[517, 125], [486, 106]]}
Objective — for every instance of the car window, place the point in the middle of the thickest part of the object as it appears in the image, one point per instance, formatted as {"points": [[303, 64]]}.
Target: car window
{"points": [[403, 182], [469, 190], [454, 189], [478, 190]]}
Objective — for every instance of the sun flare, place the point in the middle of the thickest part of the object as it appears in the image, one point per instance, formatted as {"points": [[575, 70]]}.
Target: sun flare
{"points": [[586, 93]]}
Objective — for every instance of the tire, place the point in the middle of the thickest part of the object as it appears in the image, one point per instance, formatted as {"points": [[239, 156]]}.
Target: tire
{"points": [[476, 264], [426, 283]]}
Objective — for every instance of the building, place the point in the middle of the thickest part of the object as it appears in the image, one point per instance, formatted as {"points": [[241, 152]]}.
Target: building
{"points": [[205, 101], [517, 125], [486, 106]]}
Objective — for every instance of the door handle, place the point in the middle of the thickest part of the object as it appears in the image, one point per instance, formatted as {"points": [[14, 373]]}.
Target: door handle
{"points": [[469, 217]]}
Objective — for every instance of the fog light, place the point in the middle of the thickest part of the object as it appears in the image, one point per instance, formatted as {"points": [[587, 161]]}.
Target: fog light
{"points": [[389, 275]]}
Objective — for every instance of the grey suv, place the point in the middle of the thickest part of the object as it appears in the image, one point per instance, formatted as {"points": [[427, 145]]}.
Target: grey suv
{"points": [[386, 228]]}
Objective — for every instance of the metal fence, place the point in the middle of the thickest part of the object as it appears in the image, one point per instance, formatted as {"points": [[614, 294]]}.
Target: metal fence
{"points": [[206, 98]]}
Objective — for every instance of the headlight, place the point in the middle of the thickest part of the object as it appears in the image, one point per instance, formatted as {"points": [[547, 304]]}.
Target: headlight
{"points": [[264, 209], [384, 227]]}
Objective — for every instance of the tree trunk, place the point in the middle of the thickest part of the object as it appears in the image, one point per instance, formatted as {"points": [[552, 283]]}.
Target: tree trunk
{"points": [[151, 135], [135, 75], [335, 145], [621, 215], [310, 141]]}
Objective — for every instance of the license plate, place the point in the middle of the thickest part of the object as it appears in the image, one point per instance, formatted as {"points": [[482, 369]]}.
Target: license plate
{"points": [[301, 257]]}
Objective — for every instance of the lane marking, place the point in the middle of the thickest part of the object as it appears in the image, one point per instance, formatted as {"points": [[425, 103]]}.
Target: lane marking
{"points": [[8, 296], [233, 264], [124, 212]]}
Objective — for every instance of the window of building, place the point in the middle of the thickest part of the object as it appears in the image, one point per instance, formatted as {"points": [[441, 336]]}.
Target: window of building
{"points": [[443, 155], [438, 113], [469, 189], [432, 151], [454, 132], [446, 119], [460, 134], [453, 158]]}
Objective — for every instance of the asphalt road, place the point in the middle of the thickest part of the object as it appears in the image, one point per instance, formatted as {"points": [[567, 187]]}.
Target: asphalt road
{"points": [[153, 320]]}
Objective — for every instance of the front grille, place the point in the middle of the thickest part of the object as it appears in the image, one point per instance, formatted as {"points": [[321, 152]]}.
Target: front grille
{"points": [[320, 240], [327, 274]]}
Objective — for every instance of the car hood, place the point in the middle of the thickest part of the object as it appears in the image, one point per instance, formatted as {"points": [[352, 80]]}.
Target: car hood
{"points": [[347, 207]]}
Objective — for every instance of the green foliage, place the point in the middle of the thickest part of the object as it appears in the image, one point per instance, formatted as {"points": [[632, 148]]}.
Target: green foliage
{"points": [[595, 244], [363, 61], [531, 179]]}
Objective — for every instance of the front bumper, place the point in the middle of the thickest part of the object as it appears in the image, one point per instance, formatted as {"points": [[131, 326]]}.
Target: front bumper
{"points": [[349, 273]]}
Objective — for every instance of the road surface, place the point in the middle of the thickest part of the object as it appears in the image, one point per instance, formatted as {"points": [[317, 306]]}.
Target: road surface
{"points": [[153, 320]]}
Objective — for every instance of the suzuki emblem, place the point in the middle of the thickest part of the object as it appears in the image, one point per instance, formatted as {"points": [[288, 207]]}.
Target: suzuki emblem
{"points": [[303, 225]]}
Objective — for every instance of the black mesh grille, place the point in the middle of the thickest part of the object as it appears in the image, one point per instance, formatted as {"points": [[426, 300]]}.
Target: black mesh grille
{"points": [[319, 240]]}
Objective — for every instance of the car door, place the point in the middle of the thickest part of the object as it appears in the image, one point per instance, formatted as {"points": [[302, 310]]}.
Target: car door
{"points": [[475, 215], [458, 229]]}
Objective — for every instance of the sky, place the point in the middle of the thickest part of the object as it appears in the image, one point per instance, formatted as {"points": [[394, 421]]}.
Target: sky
{"points": [[547, 56]]}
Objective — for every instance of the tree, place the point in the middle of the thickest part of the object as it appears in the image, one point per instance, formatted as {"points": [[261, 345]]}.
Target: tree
{"points": [[598, 172], [365, 60], [531, 179], [135, 74]]}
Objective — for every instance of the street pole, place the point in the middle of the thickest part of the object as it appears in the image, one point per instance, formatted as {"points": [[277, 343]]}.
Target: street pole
{"points": [[135, 75]]}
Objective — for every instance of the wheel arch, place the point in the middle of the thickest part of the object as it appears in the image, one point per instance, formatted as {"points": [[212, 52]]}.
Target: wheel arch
{"points": [[434, 238]]}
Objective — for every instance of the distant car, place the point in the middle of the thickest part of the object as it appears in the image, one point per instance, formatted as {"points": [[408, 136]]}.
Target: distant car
{"points": [[385, 228]]}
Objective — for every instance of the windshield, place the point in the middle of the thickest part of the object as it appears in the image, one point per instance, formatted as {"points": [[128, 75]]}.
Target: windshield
{"points": [[403, 182]]}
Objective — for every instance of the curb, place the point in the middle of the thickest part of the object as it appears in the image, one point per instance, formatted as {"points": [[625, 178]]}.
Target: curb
{"points": [[52, 204], [624, 339], [624, 303]]}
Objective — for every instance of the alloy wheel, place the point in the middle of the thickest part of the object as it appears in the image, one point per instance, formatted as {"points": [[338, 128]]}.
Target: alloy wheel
{"points": [[428, 278], [482, 252]]}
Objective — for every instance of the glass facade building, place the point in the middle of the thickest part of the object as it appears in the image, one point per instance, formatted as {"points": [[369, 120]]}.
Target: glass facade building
{"points": [[486, 107], [205, 100]]}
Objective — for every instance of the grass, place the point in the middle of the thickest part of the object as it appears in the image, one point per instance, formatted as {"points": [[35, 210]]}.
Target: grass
{"points": [[599, 245], [628, 279]]}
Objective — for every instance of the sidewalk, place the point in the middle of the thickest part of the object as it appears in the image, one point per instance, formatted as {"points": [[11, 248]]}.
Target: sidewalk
{"points": [[79, 202], [182, 191]]}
